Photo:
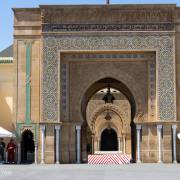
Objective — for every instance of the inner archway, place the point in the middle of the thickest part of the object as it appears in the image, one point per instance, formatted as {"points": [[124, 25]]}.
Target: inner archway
{"points": [[27, 147], [109, 140], [124, 140]]}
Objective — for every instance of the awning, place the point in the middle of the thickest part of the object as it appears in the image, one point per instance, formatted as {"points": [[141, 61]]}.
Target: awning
{"points": [[5, 133]]}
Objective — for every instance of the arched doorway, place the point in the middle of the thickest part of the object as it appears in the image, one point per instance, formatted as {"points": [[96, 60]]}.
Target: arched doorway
{"points": [[122, 89], [27, 147], [109, 140]]}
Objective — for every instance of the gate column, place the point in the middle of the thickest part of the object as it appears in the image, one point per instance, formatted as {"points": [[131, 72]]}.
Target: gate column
{"points": [[57, 129], [78, 145], [174, 127], [42, 143], [159, 136], [138, 129]]}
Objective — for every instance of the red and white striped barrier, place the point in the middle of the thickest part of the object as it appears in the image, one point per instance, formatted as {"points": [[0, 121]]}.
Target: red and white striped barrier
{"points": [[108, 159]]}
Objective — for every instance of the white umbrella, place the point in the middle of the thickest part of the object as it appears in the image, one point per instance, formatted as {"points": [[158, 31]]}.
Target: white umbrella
{"points": [[178, 135], [5, 133]]}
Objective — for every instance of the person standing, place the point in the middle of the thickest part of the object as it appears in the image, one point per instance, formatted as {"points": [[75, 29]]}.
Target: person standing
{"points": [[2, 147], [11, 151]]}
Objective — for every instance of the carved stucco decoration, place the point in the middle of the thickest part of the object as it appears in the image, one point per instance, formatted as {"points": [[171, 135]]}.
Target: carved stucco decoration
{"points": [[140, 117], [102, 14], [112, 108], [163, 44], [107, 27]]}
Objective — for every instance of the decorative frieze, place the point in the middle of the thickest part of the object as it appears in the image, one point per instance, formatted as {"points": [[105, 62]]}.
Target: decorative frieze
{"points": [[99, 14], [152, 89], [64, 87], [6, 60], [107, 27], [96, 56]]}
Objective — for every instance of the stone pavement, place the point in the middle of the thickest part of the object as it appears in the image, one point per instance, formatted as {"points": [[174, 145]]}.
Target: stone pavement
{"points": [[91, 172]]}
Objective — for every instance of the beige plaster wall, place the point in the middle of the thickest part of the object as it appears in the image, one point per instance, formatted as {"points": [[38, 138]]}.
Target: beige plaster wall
{"points": [[7, 88], [21, 81], [35, 81]]}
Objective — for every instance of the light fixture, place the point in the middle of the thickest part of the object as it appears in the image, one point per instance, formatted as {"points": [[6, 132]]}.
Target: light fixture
{"points": [[109, 98]]}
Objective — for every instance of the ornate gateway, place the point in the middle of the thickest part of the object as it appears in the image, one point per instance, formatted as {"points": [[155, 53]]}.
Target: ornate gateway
{"points": [[83, 50]]}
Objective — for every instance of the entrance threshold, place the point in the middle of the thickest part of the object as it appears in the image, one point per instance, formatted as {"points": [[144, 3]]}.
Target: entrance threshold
{"points": [[108, 152], [109, 158]]}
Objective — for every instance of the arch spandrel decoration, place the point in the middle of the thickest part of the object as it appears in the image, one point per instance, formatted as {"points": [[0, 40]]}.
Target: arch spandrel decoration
{"points": [[163, 44]]}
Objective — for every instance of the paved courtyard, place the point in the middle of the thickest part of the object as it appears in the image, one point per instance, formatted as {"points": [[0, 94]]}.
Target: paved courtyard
{"points": [[91, 172]]}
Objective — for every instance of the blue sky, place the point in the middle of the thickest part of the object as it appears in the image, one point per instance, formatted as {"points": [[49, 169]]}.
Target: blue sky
{"points": [[6, 14]]}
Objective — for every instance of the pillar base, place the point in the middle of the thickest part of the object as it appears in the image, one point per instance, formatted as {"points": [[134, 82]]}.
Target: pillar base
{"points": [[139, 161], [57, 162], [174, 162], [160, 161]]}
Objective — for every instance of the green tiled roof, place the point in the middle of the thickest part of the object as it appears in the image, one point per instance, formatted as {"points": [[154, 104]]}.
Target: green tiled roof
{"points": [[8, 52]]}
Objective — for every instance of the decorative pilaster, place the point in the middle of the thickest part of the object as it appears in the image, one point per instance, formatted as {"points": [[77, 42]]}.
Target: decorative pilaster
{"points": [[138, 129], [174, 127], [42, 143], [159, 135], [57, 128], [28, 79], [78, 145]]}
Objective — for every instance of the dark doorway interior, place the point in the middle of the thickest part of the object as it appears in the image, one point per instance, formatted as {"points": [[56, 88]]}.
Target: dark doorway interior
{"points": [[27, 147], [109, 140]]}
